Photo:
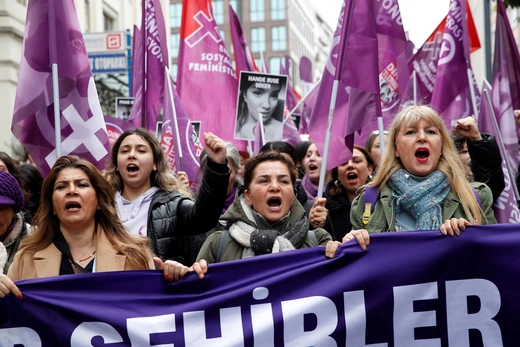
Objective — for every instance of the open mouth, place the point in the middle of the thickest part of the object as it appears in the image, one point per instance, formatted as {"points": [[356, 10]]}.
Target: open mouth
{"points": [[422, 154], [72, 205], [313, 167], [132, 168], [274, 202], [351, 176]]}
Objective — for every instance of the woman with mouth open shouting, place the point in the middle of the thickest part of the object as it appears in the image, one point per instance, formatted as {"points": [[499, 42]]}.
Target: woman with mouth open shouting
{"points": [[421, 184], [347, 178], [76, 230], [151, 200], [265, 216]]}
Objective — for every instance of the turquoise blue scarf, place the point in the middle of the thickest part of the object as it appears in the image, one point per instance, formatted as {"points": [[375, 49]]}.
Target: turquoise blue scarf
{"points": [[422, 200]]}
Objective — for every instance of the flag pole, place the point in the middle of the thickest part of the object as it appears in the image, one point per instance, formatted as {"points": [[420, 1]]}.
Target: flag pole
{"points": [[145, 64], [175, 123], [57, 117], [381, 129], [55, 78], [303, 99], [501, 142], [472, 93], [414, 81], [332, 107]]}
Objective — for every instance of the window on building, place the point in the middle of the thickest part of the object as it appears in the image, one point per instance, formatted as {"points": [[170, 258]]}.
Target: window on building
{"points": [[87, 16], [256, 10], [108, 22], [234, 4], [279, 38], [173, 71], [174, 45], [175, 15], [274, 65], [277, 9], [258, 40], [218, 11]]}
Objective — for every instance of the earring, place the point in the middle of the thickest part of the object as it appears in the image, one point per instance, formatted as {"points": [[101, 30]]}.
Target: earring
{"points": [[337, 183]]}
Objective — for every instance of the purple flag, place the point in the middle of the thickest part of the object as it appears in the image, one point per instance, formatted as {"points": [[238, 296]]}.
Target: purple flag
{"points": [[53, 36], [137, 62], [115, 127], [175, 120], [206, 81], [501, 93], [506, 208], [391, 38], [243, 57], [153, 59], [291, 133], [357, 104], [451, 95], [511, 56], [306, 80]]}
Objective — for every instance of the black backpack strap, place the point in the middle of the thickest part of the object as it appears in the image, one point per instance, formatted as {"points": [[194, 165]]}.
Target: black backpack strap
{"points": [[223, 242]]}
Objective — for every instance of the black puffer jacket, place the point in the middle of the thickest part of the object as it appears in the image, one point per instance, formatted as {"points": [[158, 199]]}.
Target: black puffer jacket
{"points": [[176, 224]]}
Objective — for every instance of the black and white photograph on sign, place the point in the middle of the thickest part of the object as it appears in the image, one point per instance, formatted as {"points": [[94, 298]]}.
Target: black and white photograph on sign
{"points": [[260, 95], [297, 118], [195, 138], [123, 107]]}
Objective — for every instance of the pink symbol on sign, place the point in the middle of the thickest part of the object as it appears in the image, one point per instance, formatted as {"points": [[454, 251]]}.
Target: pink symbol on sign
{"points": [[114, 41]]}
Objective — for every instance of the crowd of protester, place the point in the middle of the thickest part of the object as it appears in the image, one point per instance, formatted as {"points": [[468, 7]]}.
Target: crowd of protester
{"points": [[137, 214]]}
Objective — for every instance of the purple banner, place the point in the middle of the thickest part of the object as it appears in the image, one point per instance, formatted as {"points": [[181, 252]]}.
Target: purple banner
{"points": [[150, 49], [451, 95], [53, 36], [406, 289], [178, 131], [243, 57], [206, 81]]}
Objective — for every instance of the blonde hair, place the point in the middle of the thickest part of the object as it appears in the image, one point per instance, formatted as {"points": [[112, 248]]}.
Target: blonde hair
{"points": [[449, 161]]}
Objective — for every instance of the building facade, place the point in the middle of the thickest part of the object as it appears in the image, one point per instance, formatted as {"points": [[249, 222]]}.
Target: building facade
{"points": [[273, 29]]}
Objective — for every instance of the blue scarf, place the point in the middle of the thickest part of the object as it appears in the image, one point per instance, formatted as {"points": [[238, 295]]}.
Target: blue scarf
{"points": [[422, 200]]}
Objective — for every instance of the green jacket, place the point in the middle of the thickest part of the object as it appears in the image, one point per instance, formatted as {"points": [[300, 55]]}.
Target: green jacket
{"points": [[233, 250], [383, 218]]}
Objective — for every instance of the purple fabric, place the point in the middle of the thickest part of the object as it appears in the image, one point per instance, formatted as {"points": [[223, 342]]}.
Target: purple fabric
{"points": [[451, 94], [506, 209], [242, 54], [83, 130], [512, 56], [358, 102], [137, 62], [148, 100], [501, 94], [306, 70], [291, 134], [115, 127], [406, 289], [229, 200], [175, 115], [205, 74]]}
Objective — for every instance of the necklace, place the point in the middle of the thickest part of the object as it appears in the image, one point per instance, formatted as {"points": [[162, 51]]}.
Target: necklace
{"points": [[86, 258], [81, 257]]}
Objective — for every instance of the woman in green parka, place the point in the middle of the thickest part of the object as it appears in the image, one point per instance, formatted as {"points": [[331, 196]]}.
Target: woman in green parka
{"points": [[421, 184], [265, 216]]}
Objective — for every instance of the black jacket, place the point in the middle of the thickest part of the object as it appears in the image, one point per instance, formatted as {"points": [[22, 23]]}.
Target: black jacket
{"points": [[176, 224], [486, 163], [338, 221]]}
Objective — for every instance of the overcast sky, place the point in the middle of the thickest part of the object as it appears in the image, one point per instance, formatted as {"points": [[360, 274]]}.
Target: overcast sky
{"points": [[420, 17]]}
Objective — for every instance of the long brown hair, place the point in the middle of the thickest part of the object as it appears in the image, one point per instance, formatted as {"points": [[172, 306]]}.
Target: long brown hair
{"points": [[45, 222], [449, 162]]}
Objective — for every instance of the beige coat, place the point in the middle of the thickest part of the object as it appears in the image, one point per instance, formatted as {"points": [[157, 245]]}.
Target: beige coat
{"points": [[46, 262]]}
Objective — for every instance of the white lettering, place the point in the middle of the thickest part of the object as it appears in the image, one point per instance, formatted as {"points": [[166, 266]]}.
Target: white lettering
{"points": [[294, 312], [406, 320], [27, 337], [140, 328], [459, 321], [83, 334], [195, 329]]}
